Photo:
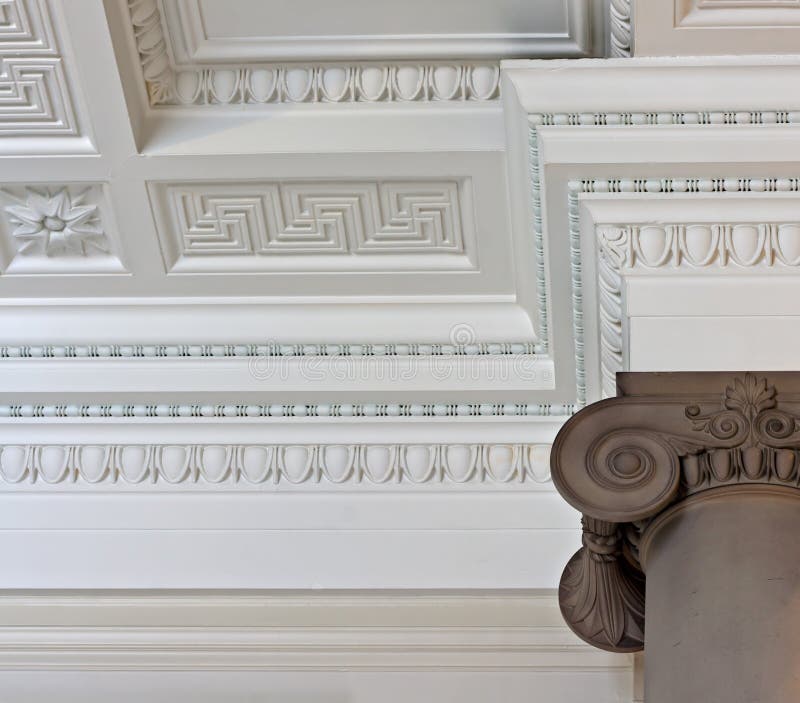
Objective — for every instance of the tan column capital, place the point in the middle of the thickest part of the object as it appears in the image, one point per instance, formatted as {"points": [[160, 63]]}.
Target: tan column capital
{"points": [[664, 439]]}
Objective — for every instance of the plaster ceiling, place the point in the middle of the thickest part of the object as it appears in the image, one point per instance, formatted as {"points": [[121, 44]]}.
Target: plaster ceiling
{"points": [[267, 173]]}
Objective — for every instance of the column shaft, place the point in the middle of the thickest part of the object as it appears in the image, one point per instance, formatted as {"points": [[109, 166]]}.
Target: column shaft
{"points": [[723, 598]]}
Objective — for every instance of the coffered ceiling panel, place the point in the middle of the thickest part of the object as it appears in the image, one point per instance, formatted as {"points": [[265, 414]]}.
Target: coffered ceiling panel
{"points": [[249, 30], [197, 52], [201, 53]]}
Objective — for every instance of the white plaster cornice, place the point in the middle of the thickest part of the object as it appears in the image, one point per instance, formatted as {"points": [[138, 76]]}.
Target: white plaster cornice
{"points": [[319, 467], [620, 117], [654, 85]]}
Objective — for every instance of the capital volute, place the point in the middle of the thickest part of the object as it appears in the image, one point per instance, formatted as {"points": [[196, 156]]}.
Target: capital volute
{"points": [[664, 439]]}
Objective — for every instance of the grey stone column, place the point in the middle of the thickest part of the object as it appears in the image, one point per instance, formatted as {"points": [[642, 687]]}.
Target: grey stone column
{"points": [[689, 488], [723, 597]]}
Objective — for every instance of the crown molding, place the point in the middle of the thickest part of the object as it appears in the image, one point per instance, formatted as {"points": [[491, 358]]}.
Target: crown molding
{"points": [[727, 248], [652, 86], [659, 111]]}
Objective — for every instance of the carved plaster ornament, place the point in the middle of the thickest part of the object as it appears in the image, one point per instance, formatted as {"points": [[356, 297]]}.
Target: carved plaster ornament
{"points": [[665, 437], [56, 224], [388, 81]]}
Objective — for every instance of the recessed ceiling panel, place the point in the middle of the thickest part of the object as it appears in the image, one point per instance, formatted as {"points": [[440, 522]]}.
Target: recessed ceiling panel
{"points": [[248, 30]]}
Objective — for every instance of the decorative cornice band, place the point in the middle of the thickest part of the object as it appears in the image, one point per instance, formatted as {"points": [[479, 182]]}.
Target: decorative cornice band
{"points": [[242, 465], [301, 83], [771, 244], [332, 83], [102, 351], [714, 118], [729, 118], [632, 185], [699, 245], [390, 410], [685, 185]]}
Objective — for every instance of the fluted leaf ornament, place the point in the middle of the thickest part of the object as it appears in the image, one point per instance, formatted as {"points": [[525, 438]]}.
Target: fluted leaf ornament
{"points": [[750, 396], [601, 593]]}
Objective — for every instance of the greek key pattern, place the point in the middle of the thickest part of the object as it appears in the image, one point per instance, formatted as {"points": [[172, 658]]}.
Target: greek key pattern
{"points": [[34, 95]]}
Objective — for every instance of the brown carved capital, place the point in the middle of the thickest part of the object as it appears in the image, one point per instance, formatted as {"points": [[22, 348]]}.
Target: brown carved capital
{"points": [[665, 437]]}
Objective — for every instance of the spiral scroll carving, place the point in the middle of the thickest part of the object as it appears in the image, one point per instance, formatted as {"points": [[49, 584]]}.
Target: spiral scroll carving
{"points": [[628, 474]]}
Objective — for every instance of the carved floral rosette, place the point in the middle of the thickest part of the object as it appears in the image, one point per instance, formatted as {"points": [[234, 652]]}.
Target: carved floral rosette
{"points": [[664, 437]]}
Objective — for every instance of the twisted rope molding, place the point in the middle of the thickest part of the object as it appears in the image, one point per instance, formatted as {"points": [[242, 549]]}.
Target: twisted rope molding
{"points": [[354, 464], [769, 249], [620, 34], [118, 410]]}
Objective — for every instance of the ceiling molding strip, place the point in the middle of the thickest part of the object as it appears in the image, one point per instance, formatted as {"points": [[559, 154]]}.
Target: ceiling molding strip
{"points": [[103, 351], [219, 410], [640, 120], [316, 466]]}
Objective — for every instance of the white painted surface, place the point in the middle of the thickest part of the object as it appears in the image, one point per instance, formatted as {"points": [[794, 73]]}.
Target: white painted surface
{"points": [[718, 343]]}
